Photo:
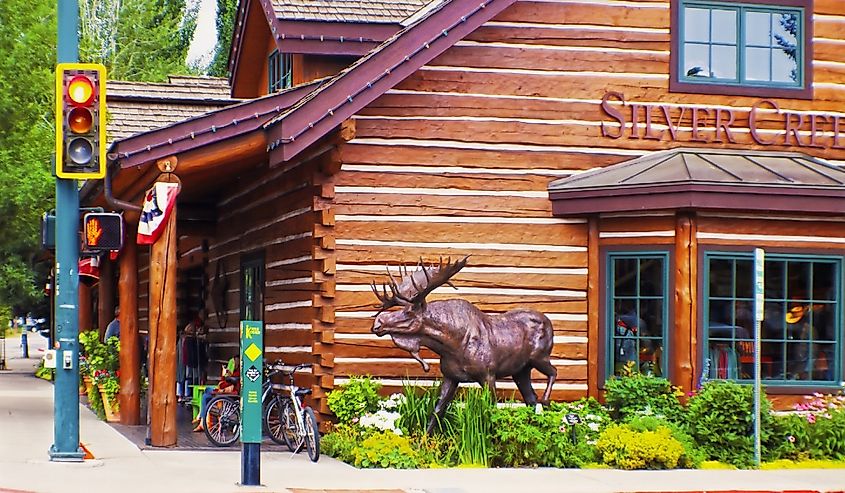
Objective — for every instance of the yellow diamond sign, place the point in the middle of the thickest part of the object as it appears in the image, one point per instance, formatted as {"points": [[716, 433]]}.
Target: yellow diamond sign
{"points": [[252, 352]]}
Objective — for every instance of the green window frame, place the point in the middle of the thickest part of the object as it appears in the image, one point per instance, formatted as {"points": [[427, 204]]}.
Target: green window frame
{"points": [[279, 71], [801, 332], [751, 47], [252, 287], [637, 312]]}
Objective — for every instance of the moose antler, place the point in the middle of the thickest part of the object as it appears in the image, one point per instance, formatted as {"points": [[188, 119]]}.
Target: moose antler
{"points": [[438, 278], [434, 276]]}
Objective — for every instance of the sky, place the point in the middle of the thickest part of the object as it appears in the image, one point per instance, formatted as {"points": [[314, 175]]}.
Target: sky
{"points": [[205, 36]]}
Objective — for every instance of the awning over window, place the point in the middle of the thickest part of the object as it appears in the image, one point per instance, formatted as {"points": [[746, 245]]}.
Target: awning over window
{"points": [[705, 179]]}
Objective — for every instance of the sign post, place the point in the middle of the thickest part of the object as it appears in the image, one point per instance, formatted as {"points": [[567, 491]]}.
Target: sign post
{"points": [[759, 300], [252, 379]]}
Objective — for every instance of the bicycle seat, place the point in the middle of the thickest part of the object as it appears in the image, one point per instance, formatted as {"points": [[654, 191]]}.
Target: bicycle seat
{"points": [[301, 392]]}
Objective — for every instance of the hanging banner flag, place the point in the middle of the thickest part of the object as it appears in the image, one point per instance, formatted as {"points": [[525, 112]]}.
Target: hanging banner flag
{"points": [[158, 203]]}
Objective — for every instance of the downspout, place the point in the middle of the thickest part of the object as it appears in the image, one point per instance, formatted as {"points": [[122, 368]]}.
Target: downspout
{"points": [[110, 199]]}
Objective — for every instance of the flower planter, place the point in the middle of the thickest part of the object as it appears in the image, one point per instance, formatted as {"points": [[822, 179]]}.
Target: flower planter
{"points": [[111, 408], [87, 384]]}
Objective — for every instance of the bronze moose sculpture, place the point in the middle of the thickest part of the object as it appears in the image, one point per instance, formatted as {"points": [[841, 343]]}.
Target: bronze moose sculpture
{"points": [[473, 346]]}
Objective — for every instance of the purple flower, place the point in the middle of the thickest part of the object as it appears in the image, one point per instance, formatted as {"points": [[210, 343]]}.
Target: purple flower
{"points": [[811, 418]]}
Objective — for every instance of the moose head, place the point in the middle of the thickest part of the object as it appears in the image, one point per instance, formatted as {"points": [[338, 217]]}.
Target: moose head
{"points": [[473, 346]]}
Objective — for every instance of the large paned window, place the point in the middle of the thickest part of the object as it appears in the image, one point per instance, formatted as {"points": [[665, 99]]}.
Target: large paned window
{"points": [[280, 71], [756, 44], [252, 287], [801, 330], [637, 312]]}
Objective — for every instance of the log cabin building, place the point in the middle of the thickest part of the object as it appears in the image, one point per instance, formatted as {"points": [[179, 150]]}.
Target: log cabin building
{"points": [[611, 163]]}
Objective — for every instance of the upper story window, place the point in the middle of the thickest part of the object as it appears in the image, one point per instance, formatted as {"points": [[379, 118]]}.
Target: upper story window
{"points": [[280, 71], [755, 48]]}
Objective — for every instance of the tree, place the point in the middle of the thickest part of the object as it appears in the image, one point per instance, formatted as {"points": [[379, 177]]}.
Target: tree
{"points": [[28, 44], [140, 40], [226, 12]]}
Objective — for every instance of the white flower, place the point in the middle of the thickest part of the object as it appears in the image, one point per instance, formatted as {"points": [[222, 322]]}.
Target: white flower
{"points": [[382, 420], [593, 426]]}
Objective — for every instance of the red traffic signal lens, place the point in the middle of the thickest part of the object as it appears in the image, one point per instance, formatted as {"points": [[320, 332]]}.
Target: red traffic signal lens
{"points": [[80, 151], [80, 120], [80, 90]]}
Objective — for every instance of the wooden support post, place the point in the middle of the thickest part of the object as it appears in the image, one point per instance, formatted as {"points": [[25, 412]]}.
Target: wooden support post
{"points": [[105, 295], [593, 302], [163, 337], [683, 330], [130, 350], [85, 309]]}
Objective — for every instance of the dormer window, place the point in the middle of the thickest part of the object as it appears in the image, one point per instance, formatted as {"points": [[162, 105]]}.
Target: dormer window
{"points": [[280, 71], [755, 48]]}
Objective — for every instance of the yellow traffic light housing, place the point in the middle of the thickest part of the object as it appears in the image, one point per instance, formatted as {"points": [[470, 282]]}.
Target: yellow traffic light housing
{"points": [[80, 121]]}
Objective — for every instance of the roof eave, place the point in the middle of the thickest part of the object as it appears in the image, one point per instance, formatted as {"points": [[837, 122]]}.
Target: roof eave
{"points": [[329, 38], [757, 198], [207, 129]]}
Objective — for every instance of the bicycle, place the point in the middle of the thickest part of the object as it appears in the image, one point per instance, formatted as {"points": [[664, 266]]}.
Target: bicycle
{"points": [[223, 414], [296, 422]]}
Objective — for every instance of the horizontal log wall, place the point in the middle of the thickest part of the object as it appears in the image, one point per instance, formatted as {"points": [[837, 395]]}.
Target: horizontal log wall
{"points": [[457, 158], [269, 211]]}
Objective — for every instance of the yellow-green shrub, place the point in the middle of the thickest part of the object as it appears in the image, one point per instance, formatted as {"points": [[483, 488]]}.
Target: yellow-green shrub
{"points": [[622, 447], [386, 449]]}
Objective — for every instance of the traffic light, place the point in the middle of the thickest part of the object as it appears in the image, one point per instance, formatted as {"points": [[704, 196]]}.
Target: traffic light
{"points": [[102, 231], [80, 120]]}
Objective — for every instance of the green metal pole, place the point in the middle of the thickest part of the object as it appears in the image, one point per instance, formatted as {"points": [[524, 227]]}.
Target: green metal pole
{"points": [[66, 389]]}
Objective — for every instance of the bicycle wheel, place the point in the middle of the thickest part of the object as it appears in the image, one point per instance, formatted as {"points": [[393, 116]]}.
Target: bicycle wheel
{"points": [[222, 421], [312, 434], [274, 420], [290, 432]]}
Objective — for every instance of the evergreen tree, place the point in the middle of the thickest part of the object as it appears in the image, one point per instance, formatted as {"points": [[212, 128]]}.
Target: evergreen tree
{"points": [[141, 40], [227, 10]]}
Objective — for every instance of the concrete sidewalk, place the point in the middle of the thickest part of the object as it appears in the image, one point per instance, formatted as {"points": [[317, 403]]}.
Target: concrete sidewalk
{"points": [[26, 433]]}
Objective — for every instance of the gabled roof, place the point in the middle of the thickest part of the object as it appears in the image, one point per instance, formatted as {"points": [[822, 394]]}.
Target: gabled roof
{"points": [[683, 178], [380, 11], [136, 107], [314, 110]]}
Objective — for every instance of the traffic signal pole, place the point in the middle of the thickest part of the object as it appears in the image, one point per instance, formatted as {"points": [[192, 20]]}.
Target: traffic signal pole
{"points": [[65, 391]]}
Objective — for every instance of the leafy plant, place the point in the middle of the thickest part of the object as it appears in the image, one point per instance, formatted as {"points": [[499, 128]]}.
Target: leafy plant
{"points": [[622, 446], [354, 399], [472, 426], [341, 442], [386, 449], [521, 437], [692, 457], [720, 418], [417, 407], [637, 394]]}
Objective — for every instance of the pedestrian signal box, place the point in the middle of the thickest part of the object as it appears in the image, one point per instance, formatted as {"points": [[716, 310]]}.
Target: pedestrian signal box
{"points": [[80, 121], [102, 231]]}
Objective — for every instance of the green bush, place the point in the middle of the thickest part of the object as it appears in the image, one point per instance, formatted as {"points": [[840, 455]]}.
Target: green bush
{"points": [[341, 442], [638, 394], [386, 449], [789, 438], [593, 415], [520, 437], [621, 446], [692, 457], [720, 417], [354, 399], [827, 435]]}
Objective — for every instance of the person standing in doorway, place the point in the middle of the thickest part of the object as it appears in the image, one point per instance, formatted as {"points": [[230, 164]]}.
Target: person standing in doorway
{"points": [[113, 329]]}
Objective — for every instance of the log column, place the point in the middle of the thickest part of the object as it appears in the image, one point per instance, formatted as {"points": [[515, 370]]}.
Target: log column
{"points": [[683, 334], [163, 337], [593, 307], [85, 310], [130, 351], [105, 294]]}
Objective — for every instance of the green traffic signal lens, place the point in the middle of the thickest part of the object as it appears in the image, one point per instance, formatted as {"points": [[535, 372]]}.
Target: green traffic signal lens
{"points": [[80, 151], [80, 121]]}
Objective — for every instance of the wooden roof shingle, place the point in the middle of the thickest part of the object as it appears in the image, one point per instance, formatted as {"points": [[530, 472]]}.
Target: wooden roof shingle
{"points": [[375, 11]]}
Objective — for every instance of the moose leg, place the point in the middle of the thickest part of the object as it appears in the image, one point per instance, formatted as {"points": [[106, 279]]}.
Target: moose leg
{"points": [[547, 369], [447, 393], [523, 383]]}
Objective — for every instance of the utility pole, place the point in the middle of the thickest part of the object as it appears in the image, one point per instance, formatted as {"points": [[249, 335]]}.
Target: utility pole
{"points": [[65, 390]]}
